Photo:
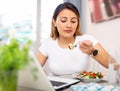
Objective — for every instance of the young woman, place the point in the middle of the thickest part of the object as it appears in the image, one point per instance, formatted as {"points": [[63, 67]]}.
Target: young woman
{"points": [[65, 31]]}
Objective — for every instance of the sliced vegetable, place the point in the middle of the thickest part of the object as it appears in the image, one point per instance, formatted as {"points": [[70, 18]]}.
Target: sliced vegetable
{"points": [[90, 74], [71, 46]]}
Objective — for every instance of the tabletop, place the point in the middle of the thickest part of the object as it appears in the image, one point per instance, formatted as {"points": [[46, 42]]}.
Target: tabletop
{"points": [[67, 89], [102, 82]]}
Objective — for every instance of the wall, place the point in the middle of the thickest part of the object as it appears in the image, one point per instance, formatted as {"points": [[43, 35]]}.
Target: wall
{"points": [[108, 34]]}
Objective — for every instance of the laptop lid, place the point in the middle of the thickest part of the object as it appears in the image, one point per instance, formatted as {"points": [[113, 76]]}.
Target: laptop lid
{"points": [[43, 82]]}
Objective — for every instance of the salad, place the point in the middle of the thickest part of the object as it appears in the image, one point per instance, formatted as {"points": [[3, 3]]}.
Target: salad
{"points": [[71, 46], [90, 75]]}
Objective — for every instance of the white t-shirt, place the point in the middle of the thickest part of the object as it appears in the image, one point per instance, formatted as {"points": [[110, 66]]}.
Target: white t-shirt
{"points": [[63, 60]]}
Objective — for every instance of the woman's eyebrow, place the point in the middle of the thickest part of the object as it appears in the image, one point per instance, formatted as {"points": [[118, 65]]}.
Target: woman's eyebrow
{"points": [[75, 18], [66, 17], [63, 17]]}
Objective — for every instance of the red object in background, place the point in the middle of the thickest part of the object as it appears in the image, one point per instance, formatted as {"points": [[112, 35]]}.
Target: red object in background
{"points": [[96, 13]]}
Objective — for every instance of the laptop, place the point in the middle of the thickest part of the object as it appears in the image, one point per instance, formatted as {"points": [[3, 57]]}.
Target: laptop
{"points": [[33, 77]]}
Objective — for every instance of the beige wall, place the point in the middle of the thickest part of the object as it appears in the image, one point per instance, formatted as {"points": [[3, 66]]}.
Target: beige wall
{"points": [[108, 33]]}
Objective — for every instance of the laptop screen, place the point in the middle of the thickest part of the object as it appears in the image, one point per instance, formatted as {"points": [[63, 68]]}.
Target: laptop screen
{"points": [[27, 77], [38, 80]]}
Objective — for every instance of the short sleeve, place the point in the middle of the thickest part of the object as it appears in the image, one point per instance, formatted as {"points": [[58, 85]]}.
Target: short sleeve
{"points": [[91, 38], [44, 47]]}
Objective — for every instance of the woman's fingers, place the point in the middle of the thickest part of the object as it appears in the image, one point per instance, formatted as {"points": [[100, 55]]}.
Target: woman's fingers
{"points": [[87, 43], [86, 47]]}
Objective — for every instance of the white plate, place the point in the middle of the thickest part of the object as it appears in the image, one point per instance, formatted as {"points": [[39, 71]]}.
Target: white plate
{"points": [[86, 79]]}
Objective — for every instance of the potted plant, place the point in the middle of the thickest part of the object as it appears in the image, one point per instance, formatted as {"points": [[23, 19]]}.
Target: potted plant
{"points": [[13, 57]]}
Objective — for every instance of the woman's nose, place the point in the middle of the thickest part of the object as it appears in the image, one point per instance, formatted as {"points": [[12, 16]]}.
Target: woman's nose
{"points": [[69, 24]]}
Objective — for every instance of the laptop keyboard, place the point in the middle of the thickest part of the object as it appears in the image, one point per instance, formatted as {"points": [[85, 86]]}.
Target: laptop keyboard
{"points": [[56, 83]]}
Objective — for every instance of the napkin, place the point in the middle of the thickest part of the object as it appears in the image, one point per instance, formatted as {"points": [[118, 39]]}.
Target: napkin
{"points": [[94, 87]]}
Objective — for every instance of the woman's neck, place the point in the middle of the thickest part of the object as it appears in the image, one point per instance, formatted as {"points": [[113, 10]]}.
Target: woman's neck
{"points": [[64, 42]]}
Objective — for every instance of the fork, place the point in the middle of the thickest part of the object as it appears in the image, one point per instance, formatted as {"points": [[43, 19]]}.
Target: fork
{"points": [[71, 45]]}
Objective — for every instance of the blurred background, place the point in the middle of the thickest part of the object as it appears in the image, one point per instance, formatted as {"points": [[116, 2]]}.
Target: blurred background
{"points": [[31, 20], [25, 19]]}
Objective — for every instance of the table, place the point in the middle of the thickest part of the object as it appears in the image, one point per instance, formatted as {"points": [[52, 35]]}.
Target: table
{"points": [[67, 89], [28, 89]]}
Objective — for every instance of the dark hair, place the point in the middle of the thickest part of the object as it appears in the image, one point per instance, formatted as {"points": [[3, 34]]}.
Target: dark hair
{"points": [[65, 5]]}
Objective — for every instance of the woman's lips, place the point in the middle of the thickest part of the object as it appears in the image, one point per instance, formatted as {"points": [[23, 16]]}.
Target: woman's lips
{"points": [[68, 31]]}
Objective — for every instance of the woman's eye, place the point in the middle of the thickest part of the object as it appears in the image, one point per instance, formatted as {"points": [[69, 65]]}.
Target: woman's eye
{"points": [[73, 21], [63, 21]]}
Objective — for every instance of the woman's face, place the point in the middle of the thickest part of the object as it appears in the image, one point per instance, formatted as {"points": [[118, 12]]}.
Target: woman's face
{"points": [[66, 23]]}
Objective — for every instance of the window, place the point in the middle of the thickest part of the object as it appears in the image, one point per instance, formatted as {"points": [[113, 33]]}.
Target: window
{"points": [[18, 18], [46, 16]]}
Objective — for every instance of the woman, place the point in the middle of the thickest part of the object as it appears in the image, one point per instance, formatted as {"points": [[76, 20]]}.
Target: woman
{"points": [[65, 30]]}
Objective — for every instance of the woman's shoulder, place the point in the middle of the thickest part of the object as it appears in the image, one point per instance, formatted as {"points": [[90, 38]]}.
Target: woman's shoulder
{"points": [[84, 36], [47, 40], [87, 37]]}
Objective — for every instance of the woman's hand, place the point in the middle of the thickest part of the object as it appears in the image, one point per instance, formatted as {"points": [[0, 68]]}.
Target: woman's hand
{"points": [[86, 46], [102, 57]]}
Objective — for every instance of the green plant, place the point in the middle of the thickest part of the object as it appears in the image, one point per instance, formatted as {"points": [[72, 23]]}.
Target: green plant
{"points": [[8, 80], [13, 56]]}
